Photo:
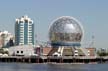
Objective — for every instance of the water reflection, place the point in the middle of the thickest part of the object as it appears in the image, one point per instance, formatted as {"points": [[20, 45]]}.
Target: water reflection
{"points": [[52, 67]]}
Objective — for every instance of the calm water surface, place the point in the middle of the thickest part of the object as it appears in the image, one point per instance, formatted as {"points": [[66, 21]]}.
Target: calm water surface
{"points": [[52, 67]]}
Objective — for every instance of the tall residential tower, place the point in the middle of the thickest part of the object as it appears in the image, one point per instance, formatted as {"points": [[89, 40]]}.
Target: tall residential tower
{"points": [[24, 31]]}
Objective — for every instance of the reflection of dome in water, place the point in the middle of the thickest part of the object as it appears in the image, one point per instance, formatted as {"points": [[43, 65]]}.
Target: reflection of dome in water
{"points": [[65, 31]]}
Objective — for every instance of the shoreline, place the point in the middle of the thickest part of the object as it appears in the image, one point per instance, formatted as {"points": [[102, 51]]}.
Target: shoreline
{"points": [[53, 63]]}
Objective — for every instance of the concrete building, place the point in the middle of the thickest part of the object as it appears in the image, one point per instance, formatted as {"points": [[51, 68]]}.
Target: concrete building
{"points": [[24, 31], [51, 51], [91, 51], [6, 39], [22, 50]]}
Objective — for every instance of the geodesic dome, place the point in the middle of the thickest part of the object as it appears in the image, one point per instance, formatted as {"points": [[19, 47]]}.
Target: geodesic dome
{"points": [[65, 31]]}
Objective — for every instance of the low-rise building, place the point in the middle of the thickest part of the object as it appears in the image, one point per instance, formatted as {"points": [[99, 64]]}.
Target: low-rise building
{"points": [[22, 50], [91, 51]]}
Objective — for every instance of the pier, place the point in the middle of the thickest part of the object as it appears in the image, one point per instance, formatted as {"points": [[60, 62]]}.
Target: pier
{"points": [[53, 59]]}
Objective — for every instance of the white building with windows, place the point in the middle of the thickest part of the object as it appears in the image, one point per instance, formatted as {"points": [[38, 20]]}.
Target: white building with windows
{"points": [[24, 31], [22, 50], [5, 38]]}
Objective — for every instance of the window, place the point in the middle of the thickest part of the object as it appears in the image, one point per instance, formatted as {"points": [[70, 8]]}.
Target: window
{"points": [[30, 21], [30, 34], [21, 22], [21, 51], [26, 21], [17, 51]]}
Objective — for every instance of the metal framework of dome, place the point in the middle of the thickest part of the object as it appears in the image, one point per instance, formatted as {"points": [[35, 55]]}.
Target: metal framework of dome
{"points": [[65, 31]]}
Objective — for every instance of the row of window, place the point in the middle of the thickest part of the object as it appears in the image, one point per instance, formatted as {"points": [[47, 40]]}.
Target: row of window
{"points": [[25, 21], [19, 51], [22, 34]]}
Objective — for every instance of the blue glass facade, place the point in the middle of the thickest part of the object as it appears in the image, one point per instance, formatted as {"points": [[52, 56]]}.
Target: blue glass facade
{"points": [[25, 33], [17, 33]]}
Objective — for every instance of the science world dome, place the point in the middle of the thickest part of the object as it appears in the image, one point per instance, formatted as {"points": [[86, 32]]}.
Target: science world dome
{"points": [[65, 31]]}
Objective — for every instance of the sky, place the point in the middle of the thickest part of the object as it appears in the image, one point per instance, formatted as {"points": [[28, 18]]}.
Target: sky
{"points": [[93, 15]]}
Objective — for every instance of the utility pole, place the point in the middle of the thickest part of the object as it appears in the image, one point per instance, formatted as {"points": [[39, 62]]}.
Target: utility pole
{"points": [[36, 39], [93, 41]]}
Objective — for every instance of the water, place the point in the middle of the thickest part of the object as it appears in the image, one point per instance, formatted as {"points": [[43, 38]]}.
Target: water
{"points": [[52, 67]]}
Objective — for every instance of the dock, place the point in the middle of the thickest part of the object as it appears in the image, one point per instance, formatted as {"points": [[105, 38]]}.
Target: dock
{"points": [[53, 59]]}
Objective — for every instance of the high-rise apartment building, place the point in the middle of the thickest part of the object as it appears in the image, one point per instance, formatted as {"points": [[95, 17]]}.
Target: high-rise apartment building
{"points": [[24, 31]]}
